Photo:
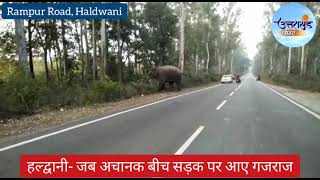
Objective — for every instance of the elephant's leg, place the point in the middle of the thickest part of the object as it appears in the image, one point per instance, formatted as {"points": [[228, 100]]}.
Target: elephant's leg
{"points": [[178, 84], [161, 86], [171, 83]]}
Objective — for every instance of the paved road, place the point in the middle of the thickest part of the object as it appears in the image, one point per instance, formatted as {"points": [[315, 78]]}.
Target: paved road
{"points": [[227, 119]]}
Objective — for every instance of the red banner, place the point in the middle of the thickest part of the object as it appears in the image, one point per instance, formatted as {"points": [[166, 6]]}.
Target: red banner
{"points": [[160, 166]]}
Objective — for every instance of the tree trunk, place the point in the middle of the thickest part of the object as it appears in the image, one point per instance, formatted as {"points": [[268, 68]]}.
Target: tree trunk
{"points": [[21, 45], [45, 51], [271, 63], [87, 69], [315, 66], [94, 65], [301, 62], [305, 60], [197, 62], [182, 21], [208, 56], [82, 52], [57, 66], [135, 35], [59, 59], [299, 55], [103, 49], [263, 63], [65, 50], [289, 61], [218, 56], [30, 50], [119, 53], [50, 58], [231, 63]]}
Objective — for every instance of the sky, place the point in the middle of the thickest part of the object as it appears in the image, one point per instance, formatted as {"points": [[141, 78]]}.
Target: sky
{"points": [[250, 24]]}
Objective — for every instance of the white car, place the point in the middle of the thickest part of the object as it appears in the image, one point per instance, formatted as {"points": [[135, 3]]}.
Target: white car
{"points": [[226, 79]]}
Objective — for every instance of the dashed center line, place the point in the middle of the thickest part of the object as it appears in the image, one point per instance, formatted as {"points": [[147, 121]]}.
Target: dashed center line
{"points": [[221, 104], [189, 141], [231, 93]]}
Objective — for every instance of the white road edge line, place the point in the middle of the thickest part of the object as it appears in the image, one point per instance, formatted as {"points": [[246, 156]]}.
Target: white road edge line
{"points": [[189, 141], [299, 105], [223, 102], [99, 119], [231, 93]]}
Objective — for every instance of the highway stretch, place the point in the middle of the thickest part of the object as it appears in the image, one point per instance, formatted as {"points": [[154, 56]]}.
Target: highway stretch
{"points": [[246, 118]]}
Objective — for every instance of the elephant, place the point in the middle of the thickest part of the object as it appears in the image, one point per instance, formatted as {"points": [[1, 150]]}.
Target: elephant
{"points": [[167, 74]]}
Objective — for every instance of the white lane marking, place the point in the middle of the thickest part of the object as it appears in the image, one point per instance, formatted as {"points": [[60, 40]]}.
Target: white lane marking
{"points": [[302, 107], [231, 93], [223, 102], [189, 141], [99, 119]]}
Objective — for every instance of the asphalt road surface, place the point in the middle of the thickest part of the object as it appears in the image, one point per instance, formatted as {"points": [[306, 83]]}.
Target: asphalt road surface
{"points": [[248, 118]]}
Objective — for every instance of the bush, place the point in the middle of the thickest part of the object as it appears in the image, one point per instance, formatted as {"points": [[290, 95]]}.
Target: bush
{"points": [[104, 91], [22, 95], [19, 95], [189, 80], [297, 82]]}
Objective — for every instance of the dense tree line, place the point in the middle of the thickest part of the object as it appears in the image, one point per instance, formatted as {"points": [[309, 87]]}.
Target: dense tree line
{"points": [[76, 62]]}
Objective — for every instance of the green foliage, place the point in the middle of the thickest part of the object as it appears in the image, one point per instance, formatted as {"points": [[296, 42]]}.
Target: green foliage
{"points": [[298, 82], [189, 80], [158, 38], [8, 46]]}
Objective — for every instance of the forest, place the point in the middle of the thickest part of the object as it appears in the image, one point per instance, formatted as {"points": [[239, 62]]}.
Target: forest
{"points": [[49, 64]]}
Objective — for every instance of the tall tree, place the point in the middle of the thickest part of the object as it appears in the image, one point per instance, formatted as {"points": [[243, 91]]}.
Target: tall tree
{"points": [[103, 49], [21, 45], [65, 49], [182, 22], [289, 61], [158, 38], [94, 55], [119, 53], [30, 49], [302, 61]]}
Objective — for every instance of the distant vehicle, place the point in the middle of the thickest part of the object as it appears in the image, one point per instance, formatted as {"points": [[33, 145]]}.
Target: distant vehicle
{"points": [[238, 80], [233, 76], [226, 79], [258, 78], [237, 77]]}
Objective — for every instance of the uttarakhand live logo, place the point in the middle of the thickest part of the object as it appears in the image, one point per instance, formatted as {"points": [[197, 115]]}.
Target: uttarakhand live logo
{"points": [[293, 25]]}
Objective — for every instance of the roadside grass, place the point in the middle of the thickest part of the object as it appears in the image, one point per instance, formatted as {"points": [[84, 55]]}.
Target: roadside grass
{"points": [[306, 83]]}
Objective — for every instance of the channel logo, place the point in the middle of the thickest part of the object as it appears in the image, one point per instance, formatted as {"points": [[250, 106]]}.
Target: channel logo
{"points": [[293, 25]]}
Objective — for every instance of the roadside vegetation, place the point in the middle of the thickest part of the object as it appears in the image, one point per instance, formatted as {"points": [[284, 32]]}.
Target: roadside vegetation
{"points": [[50, 64]]}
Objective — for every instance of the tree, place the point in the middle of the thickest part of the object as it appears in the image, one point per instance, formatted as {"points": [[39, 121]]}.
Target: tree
{"points": [[30, 49], [119, 53], [182, 21], [45, 42], [302, 62], [289, 61], [21, 45], [158, 38], [103, 49], [94, 55]]}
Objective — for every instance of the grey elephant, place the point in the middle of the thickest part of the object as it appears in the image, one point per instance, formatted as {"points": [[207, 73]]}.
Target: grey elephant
{"points": [[167, 74]]}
